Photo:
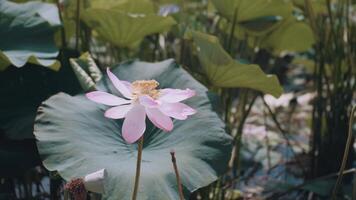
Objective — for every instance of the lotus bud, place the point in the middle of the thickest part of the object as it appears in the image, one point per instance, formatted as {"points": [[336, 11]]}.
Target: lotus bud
{"points": [[94, 182]]}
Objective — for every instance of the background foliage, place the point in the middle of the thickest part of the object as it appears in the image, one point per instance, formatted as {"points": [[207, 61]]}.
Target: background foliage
{"points": [[245, 52]]}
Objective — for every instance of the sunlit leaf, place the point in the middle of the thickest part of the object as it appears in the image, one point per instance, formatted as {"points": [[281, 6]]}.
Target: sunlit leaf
{"points": [[86, 70], [125, 30], [75, 139], [27, 34], [223, 71]]}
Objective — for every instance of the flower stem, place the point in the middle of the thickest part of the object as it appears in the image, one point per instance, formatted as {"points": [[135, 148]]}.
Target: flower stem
{"points": [[138, 168], [180, 189]]}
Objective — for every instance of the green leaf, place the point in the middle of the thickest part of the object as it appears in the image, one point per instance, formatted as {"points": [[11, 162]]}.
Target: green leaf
{"points": [[75, 139], [223, 71], [291, 35], [27, 34], [122, 29], [86, 70], [319, 6], [126, 6], [257, 17], [260, 24], [247, 10], [321, 187]]}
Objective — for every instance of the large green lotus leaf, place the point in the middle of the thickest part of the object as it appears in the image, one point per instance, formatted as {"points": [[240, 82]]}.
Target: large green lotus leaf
{"points": [[127, 6], [252, 16], [223, 71], [27, 34], [248, 10], [122, 29], [75, 139], [292, 35]]}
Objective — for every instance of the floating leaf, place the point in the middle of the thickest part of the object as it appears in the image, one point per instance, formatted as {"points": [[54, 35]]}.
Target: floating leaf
{"points": [[75, 139], [27, 34], [86, 70], [223, 71], [122, 29]]}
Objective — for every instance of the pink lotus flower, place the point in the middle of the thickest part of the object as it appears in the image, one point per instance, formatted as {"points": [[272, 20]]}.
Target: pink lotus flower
{"points": [[142, 98]]}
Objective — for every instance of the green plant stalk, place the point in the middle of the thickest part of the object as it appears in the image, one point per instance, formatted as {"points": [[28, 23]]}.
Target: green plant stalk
{"points": [[237, 138], [63, 33], [231, 37], [354, 188], [346, 154], [179, 183], [138, 168], [66, 195], [311, 15], [156, 47], [268, 148], [238, 135], [217, 190], [284, 134], [77, 27]]}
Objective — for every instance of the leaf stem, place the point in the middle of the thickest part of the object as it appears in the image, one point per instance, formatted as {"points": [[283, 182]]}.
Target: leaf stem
{"points": [[77, 30], [138, 168], [232, 31], [66, 194], [180, 189], [63, 33], [346, 154]]}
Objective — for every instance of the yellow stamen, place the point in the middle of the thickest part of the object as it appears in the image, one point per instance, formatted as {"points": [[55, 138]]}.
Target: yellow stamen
{"points": [[145, 87]]}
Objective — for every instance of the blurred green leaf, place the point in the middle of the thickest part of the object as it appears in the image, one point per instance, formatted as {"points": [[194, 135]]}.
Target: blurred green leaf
{"points": [[260, 24], [249, 10], [321, 187], [254, 17], [319, 6], [223, 71], [86, 70], [75, 138], [126, 6], [291, 35], [122, 29], [27, 34]]}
